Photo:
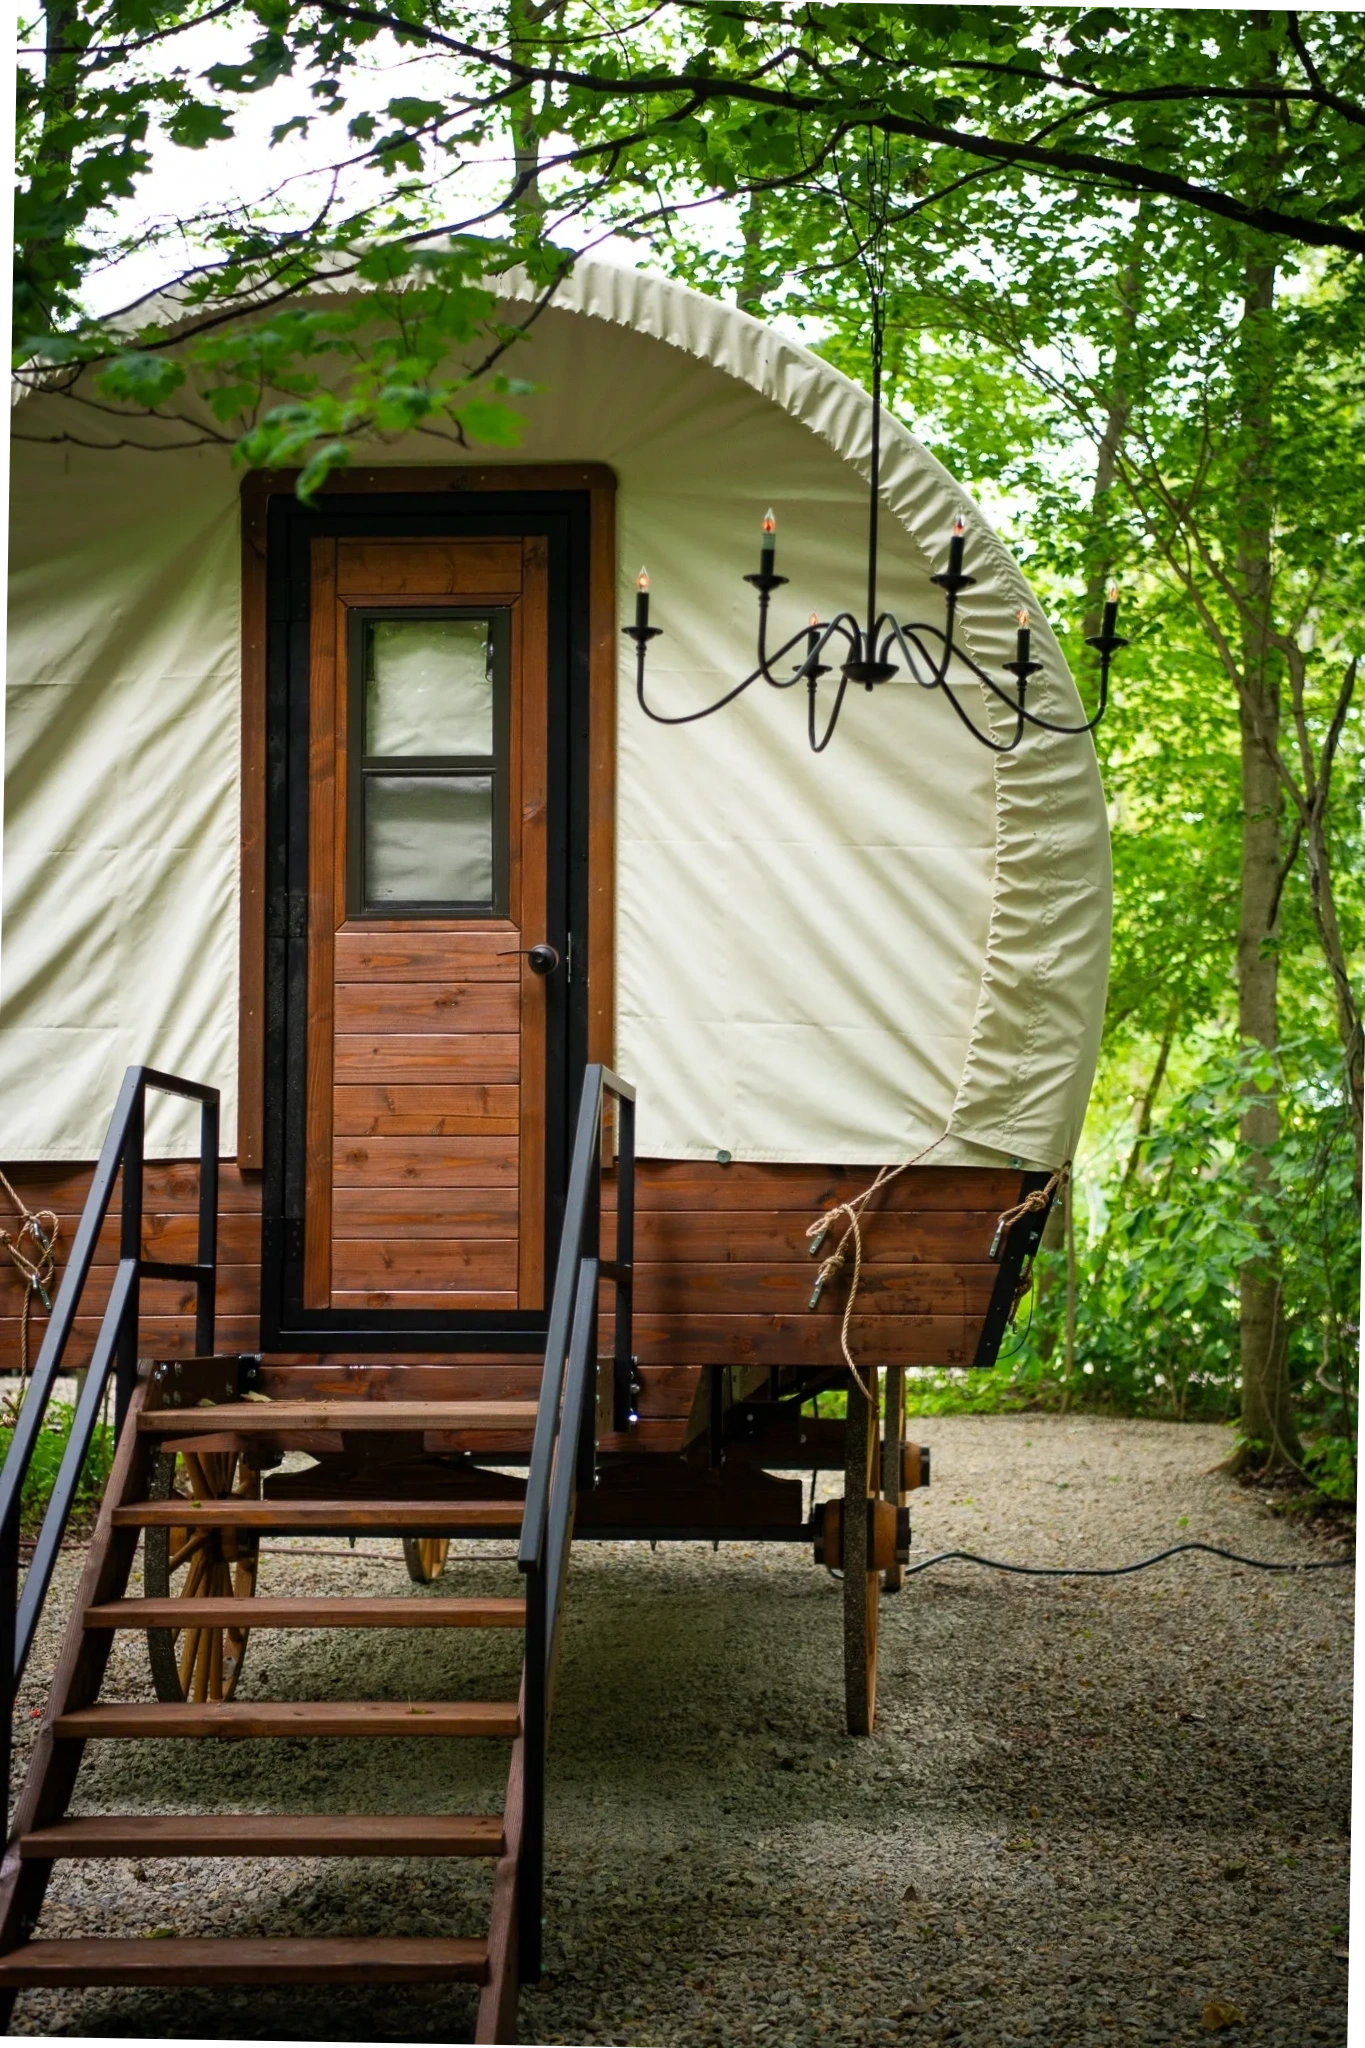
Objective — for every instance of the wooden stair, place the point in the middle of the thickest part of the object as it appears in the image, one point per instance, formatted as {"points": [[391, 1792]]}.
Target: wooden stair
{"points": [[305, 1960], [268, 1834], [46, 1833]]}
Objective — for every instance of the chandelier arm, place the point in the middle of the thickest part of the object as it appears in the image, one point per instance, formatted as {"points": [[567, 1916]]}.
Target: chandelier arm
{"points": [[950, 648], [1071, 731], [818, 746], [983, 676], [905, 637], [996, 746], [686, 717], [802, 673]]}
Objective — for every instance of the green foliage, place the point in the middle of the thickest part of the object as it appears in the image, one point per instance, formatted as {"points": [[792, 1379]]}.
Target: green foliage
{"points": [[48, 1452], [1162, 1228], [633, 114]]}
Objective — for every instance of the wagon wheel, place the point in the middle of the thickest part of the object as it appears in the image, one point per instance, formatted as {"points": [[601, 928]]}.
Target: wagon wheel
{"points": [[200, 1663], [861, 1586], [425, 1557]]}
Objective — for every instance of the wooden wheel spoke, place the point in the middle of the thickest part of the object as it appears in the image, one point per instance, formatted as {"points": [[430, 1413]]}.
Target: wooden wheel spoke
{"points": [[188, 1548], [425, 1557], [200, 1665]]}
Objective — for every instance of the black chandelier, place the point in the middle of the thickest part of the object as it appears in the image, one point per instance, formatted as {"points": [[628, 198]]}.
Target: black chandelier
{"points": [[863, 653]]}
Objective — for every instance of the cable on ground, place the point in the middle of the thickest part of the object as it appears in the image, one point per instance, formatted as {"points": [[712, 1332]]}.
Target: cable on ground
{"points": [[1119, 1571]]}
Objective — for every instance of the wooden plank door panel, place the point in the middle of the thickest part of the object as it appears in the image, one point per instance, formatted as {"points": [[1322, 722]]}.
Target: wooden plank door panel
{"points": [[426, 1043]]}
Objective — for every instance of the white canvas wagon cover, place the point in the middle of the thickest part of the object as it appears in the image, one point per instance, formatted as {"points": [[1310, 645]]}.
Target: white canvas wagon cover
{"points": [[838, 959]]}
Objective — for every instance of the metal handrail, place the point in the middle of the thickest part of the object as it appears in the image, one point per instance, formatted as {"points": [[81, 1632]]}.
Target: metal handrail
{"points": [[563, 1448], [115, 1351]]}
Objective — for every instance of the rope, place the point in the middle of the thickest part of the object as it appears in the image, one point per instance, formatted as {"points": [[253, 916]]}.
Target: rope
{"points": [[818, 1231], [38, 1272], [1030, 1206]]}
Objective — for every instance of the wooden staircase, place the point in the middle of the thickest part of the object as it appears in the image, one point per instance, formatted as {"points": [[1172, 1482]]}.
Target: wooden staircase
{"points": [[396, 1462], [76, 1714]]}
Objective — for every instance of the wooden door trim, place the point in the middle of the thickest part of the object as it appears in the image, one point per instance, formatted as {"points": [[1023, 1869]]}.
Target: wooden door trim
{"points": [[258, 488], [326, 815]]}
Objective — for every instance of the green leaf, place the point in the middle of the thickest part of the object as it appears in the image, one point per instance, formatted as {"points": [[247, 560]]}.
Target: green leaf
{"points": [[197, 124], [142, 380]]}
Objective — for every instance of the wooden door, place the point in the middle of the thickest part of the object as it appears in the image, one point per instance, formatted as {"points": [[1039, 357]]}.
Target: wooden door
{"points": [[429, 1040]]}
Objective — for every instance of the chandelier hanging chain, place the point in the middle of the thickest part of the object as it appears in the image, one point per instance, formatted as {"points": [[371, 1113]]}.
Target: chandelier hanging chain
{"points": [[867, 649]]}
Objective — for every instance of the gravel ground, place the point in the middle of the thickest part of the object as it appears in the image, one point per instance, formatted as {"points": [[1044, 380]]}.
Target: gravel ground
{"points": [[1092, 1812]]}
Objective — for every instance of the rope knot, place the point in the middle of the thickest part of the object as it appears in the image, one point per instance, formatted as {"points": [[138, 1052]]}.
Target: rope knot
{"points": [[37, 1271], [1037, 1199]]}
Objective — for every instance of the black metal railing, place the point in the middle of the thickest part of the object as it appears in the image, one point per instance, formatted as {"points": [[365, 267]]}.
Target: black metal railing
{"points": [[115, 1352], [563, 1450]]}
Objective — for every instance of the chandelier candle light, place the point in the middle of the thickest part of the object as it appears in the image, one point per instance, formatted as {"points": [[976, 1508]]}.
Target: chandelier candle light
{"points": [[863, 652], [926, 649]]}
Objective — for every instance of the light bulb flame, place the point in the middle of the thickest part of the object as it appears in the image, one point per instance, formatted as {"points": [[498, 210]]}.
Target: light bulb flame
{"points": [[1113, 593], [769, 521], [642, 580], [959, 527], [1022, 615]]}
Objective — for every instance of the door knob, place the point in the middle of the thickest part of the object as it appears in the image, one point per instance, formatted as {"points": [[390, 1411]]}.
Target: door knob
{"points": [[542, 959]]}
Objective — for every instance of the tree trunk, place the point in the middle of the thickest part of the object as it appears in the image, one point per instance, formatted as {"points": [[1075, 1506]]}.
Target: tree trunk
{"points": [[1321, 888], [38, 279], [1267, 1418], [1103, 548], [752, 278], [524, 19]]}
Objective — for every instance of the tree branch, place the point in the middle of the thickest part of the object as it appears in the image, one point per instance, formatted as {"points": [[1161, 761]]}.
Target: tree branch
{"points": [[700, 90]]}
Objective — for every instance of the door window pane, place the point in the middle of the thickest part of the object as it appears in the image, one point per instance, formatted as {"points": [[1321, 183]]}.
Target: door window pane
{"points": [[429, 687], [429, 839]]}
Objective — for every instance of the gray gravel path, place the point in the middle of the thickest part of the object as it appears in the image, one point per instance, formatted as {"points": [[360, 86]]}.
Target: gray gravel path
{"points": [[1092, 1813]]}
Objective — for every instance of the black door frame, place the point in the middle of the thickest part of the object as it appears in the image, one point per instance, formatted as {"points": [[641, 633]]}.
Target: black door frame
{"points": [[563, 518]]}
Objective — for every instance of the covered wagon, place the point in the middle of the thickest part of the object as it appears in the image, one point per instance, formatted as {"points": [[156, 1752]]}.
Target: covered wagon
{"points": [[589, 1086]]}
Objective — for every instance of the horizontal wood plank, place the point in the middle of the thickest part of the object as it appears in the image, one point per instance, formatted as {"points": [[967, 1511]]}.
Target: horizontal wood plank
{"points": [[158, 1337], [194, 1963], [169, 1184], [239, 1289], [429, 1265], [428, 1380], [786, 1289], [490, 1299], [429, 1110], [408, 1517], [703, 1183], [777, 1236], [357, 1612], [409, 1213], [407, 1006], [427, 1056], [399, 954], [242, 1720], [425, 1162], [257, 1418], [444, 568], [264, 1834], [172, 1238], [802, 1340]]}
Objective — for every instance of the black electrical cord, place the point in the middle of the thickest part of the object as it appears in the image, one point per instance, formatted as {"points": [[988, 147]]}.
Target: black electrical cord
{"points": [[1119, 1571]]}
